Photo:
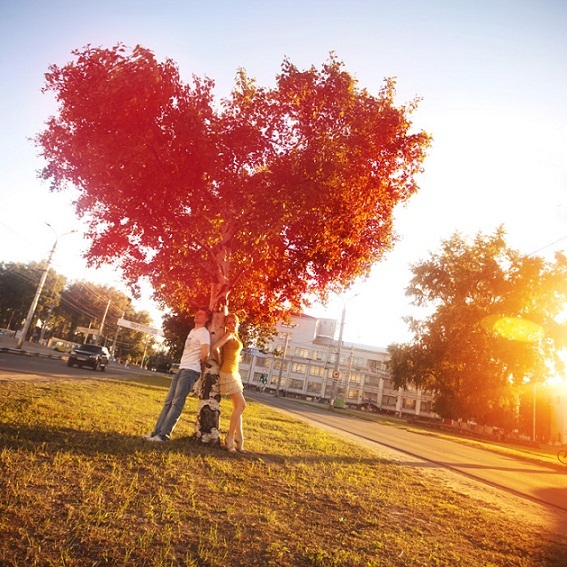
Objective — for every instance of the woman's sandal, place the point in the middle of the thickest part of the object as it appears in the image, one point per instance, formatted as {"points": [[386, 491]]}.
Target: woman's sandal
{"points": [[229, 444], [240, 445]]}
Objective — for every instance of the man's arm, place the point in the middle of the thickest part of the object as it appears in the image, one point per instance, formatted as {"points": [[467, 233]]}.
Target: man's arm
{"points": [[205, 351]]}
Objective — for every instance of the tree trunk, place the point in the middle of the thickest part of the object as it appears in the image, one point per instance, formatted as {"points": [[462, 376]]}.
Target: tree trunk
{"points": [[208, 409]]}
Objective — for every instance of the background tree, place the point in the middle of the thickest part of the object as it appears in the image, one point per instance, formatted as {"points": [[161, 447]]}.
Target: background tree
{"points": [[270, 197], [84, 304], [18, 284], [16, 292], [76, 309], [176, 327], [132, 344], [467, 288], [64, 306]]}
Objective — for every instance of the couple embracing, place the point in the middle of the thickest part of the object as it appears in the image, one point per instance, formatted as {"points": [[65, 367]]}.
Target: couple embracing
{"points": [[197, 349]]}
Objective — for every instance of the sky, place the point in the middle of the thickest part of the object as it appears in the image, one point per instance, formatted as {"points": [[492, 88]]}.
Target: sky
{"points": [[491, 76]]}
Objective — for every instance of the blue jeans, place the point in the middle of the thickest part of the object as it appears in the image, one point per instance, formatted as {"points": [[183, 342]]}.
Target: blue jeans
{"points": [[180, 387]]}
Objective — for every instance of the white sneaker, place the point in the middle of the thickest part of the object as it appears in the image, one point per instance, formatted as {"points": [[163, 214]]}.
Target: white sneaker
{"points": [[156, 439]]}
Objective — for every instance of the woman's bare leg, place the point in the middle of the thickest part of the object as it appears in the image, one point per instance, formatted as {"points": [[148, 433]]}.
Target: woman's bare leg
{"points": [[235, 432]]}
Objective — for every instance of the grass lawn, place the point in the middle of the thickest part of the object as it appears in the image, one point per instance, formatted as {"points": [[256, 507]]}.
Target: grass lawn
{"points": [[79, 487]]}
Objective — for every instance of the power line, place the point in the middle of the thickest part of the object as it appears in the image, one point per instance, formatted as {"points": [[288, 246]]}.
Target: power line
{"points": [[65, 300], [548, 245]]}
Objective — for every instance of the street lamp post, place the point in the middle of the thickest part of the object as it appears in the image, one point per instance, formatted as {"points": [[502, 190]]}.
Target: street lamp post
{"points": [[39, 290], [287, 335], [336, 373], [113, 350], [102, 322], [348, 373], [282, 364]]}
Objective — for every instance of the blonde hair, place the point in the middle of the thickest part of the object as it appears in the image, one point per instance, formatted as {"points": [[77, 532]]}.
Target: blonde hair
{"points": [[232, 316]]}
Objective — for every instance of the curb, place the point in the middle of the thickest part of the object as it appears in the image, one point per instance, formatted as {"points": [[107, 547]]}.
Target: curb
{"points": [[20, 352]]}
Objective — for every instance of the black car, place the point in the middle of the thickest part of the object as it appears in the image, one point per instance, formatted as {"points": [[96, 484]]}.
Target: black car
{"points": [[94, 356]]}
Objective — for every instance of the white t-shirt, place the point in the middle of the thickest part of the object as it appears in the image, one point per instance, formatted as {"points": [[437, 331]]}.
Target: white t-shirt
{"points": [[191, 357]]}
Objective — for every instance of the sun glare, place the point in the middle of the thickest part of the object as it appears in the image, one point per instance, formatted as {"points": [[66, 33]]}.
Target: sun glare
{"points": [[557, 381], [515, 328]]}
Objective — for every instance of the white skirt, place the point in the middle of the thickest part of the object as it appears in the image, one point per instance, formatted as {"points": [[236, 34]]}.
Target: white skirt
{"points": [[230, 383]]}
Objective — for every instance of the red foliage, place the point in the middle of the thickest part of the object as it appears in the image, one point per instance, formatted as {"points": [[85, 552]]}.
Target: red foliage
{"points": [[269, 197]]}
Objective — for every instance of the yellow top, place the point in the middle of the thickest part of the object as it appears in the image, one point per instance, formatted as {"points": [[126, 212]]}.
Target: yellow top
{"points": [[231, 356]]}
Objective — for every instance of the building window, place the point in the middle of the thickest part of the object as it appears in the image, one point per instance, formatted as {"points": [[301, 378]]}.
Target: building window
{"points": [[408, 403], [426, 407], [317, 355], [317, 371], [263, 362], [278, 351], [371, 380], [301, 352], [352, 394], [298, 368], [296, 384], [278, 365], [389, 385], [355, 377], [374, 365], [369, 397], [356, 362], [389, 400], [314, 387]]}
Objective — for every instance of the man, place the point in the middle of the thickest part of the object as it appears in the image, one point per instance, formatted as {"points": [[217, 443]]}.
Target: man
{"points": [[195, 353]]}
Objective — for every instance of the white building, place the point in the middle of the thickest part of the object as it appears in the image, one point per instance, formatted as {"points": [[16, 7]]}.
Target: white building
{"points": [[309, 369]]}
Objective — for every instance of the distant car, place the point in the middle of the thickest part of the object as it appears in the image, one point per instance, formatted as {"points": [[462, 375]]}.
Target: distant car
{"points": [[369, 406], [174, 368], [94, 356]]}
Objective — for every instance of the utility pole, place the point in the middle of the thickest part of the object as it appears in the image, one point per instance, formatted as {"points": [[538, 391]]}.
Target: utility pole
{"points": [[102, 322], [282, 364], [113, 351], [287, 335], [336, 373], [39, 290]]}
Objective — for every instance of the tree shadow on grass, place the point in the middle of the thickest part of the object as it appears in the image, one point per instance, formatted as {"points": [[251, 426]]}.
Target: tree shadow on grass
{"points": [[85, 443], [51, 440], [156, 382]]}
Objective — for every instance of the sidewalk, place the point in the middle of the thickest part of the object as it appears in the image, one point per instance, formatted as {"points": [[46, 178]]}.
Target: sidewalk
{"points": [[8, 344]]}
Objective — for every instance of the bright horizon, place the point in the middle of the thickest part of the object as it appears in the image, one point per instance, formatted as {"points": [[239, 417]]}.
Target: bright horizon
{"points": [[491, 75]]}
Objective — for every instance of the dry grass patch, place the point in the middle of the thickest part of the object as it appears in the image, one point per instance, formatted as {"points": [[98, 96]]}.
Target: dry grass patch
{"points": [[80, 487]]}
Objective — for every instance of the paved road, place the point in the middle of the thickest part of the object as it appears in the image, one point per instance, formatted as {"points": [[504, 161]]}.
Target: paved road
{"points": [[546, 484], [22, 366]]}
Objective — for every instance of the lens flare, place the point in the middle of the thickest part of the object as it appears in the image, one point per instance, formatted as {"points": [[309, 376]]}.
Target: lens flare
{"points": [[514, 328]]}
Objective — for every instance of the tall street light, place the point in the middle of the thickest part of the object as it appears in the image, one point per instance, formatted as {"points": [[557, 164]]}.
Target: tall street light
{"points": [[282, 362], [336, 373], [39, 289]]}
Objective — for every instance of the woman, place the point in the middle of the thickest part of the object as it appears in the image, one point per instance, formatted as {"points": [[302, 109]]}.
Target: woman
{"points": [[227, 351]]}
